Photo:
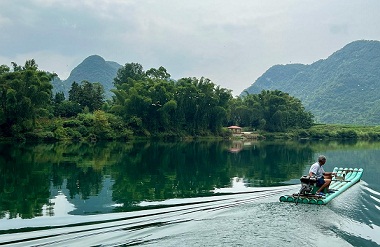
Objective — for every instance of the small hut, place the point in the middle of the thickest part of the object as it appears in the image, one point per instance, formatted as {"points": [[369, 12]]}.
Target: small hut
{"points": [[235, 129]]}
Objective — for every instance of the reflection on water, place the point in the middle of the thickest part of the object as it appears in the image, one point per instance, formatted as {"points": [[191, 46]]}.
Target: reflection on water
{"points": [[106, 177], [58, 206], [180, 186], [147, 226]]}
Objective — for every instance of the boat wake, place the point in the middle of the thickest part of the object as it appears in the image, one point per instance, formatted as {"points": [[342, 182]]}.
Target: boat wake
{"points": [[359, 209], [238, 217], [131, 228]]}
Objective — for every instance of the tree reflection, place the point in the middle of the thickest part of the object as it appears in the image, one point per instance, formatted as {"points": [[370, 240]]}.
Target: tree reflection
{"points": [[158, 171], [139, 171], [24, 186]]}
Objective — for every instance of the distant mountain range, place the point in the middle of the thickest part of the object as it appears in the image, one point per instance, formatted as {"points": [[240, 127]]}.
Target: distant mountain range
{"points": [[92, 69], [344, 88], [340, 89]]}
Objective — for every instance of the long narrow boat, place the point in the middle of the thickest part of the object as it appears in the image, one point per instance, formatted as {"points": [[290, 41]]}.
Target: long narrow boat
{"points": [[345, 178]]}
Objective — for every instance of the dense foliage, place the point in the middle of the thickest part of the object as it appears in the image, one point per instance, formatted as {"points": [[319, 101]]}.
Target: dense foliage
{"points": [[341, 89], [270, 111], [145, 103], [25, 95], [151, 103]]}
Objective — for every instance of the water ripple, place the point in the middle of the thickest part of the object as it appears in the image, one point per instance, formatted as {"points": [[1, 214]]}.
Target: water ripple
{"points": [[133, 227], [243, 218]]}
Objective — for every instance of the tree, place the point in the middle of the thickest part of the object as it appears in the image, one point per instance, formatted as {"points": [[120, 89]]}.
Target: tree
{"points": [[74, 92], [151, 103], [200, 105], [140, 97], [67, 108], [159, 73], [271, 111], [59, 97], [26, 94], [87, 94], [130, 71]]}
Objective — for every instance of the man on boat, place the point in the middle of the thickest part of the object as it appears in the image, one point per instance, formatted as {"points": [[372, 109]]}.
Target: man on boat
{"points": [[323, 178]]}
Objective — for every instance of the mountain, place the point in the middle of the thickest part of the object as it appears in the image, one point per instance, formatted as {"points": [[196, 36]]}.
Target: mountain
{"points": [[93, 69], [340, 89]]}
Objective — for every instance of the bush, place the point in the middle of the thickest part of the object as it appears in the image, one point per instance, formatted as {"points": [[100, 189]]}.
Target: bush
{"points": [[73, 134], [321, 134], [83, 130], [374, 136], [41, 136], [347, 134], [125, 134], [60, 133], [67, 109], [71, 123], [303, 134], [225, 133], [86, 119]]}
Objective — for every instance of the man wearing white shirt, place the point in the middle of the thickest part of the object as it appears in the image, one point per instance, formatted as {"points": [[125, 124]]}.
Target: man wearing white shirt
{"points": [[323, 178]]}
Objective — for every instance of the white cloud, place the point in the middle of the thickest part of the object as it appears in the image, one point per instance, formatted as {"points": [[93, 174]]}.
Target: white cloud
{"points": [[4, 21], [48, 61], [231, 42]]}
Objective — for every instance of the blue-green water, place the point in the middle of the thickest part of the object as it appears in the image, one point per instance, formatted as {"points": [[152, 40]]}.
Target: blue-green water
{"points": [[182, 194]]}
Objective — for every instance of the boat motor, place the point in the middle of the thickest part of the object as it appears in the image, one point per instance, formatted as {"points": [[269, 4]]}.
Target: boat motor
{"points": [[307, 184]]}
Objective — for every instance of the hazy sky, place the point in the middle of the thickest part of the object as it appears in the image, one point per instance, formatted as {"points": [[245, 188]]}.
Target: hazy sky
{"points": [[230, 42]]}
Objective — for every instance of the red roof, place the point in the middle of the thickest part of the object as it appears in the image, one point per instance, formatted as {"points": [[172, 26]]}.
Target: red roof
{"points": [[234, 127]]}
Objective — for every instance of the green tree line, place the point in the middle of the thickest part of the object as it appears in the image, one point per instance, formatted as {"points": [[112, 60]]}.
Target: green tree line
{"points": [[145, 103]]}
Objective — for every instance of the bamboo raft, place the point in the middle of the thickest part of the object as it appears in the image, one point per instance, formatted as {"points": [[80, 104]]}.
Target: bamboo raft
{"points": [[344, 179]]}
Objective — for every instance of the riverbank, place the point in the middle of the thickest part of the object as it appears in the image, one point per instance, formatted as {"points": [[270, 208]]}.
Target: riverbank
{"points": [[325, 132], [89, 129]]}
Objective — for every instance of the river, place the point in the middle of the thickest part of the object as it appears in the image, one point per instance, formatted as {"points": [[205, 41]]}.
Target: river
{"points": [[182, 194]]}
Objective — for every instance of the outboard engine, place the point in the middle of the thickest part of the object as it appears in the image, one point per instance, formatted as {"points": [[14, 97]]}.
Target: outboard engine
{"points": [[307, 184]]}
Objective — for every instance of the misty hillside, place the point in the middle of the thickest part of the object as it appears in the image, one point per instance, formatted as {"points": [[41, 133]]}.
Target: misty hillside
{"points": [[92, 69], [344, 88]]}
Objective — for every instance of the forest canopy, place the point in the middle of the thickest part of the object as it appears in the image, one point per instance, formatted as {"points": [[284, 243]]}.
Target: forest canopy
{"points": [[144, 103]]}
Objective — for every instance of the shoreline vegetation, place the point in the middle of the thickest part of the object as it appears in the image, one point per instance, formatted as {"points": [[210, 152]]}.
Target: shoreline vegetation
{"points": [[331, 132], [58, 130], [151, 105]]}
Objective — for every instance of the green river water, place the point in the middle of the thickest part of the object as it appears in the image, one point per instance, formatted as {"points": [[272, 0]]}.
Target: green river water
{"points": [[203, 193]]}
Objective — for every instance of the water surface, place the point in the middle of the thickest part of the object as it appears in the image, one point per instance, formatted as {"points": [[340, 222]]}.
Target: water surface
{"points": [[182, 194]]}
